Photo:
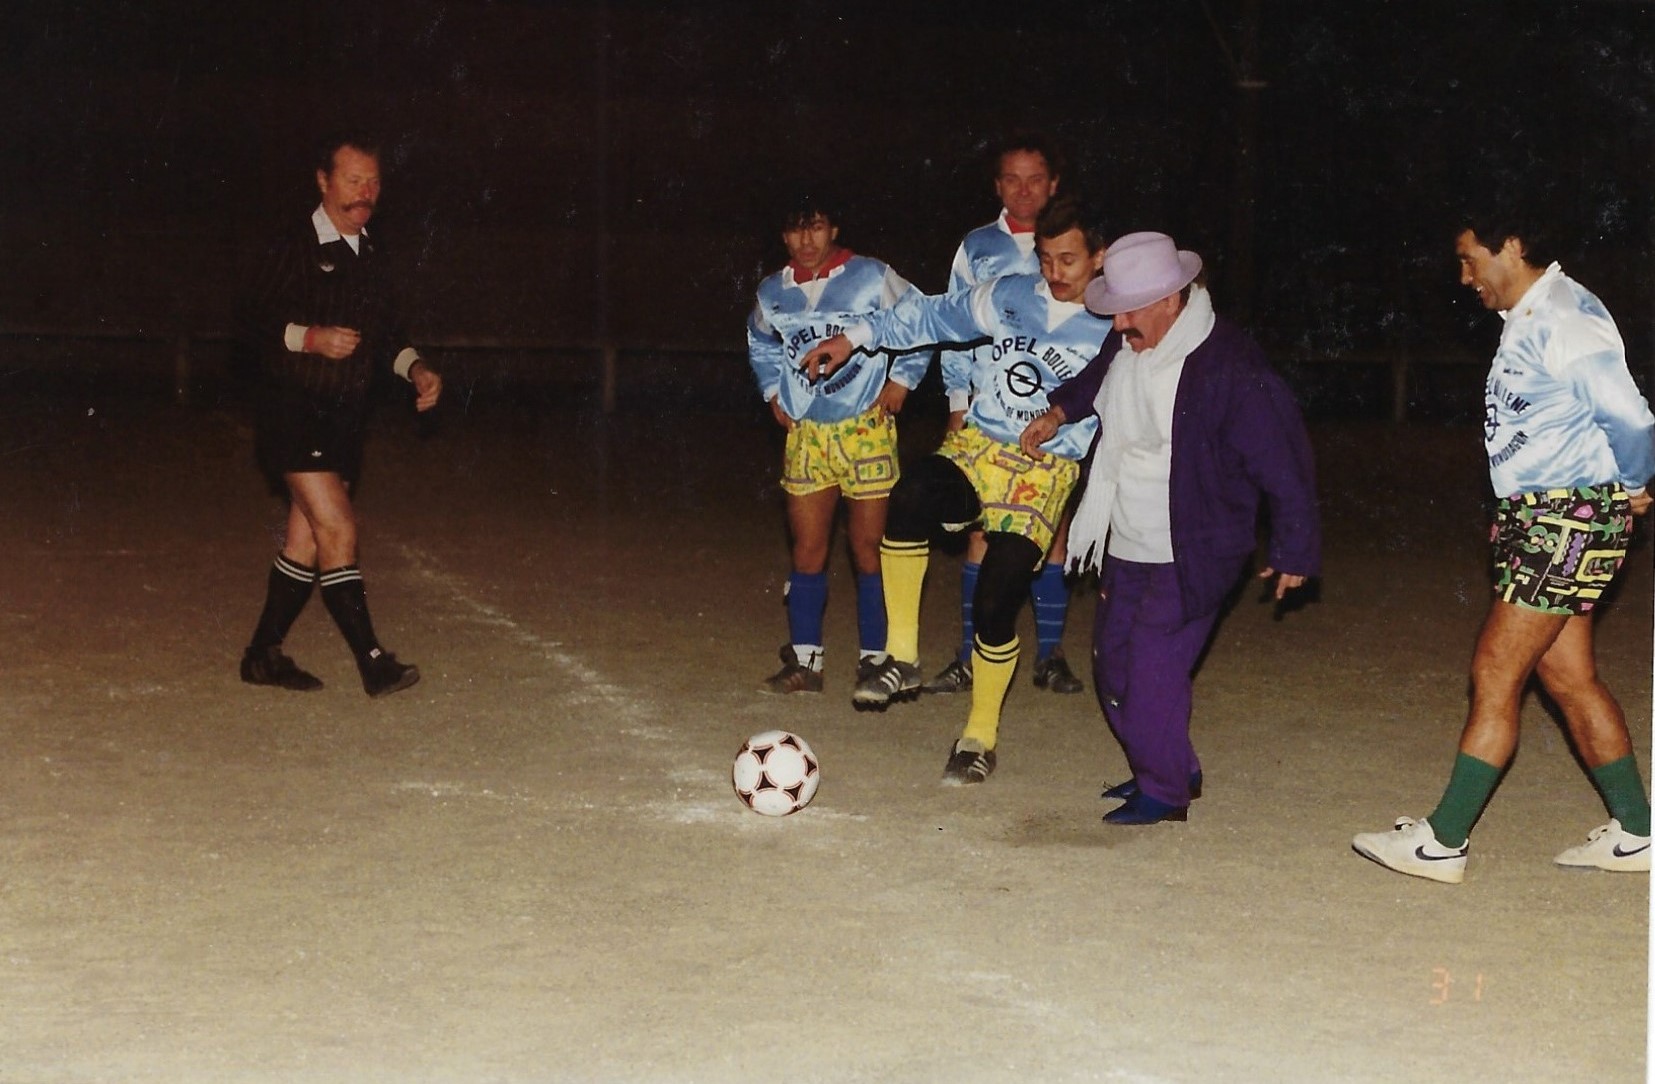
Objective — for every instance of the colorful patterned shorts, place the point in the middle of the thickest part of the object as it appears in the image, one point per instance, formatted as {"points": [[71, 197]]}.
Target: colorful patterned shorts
{"points": [[1555, 551], [858, 455], [1020, 495]]}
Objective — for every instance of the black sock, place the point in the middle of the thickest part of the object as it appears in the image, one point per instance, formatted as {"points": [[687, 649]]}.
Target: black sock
{"points": [[347, 600], [285, 596]]}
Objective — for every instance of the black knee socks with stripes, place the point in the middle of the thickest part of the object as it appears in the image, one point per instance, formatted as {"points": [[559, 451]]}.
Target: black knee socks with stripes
{"points": [[347, 600], [343, 593], [286, 593]]}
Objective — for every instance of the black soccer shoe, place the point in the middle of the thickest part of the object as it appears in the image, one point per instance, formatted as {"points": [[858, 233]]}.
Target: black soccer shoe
{"points": [[968, 763], [793, 677], [1054, 674], [268, 666], [953, 678], [382, 675], [892, 680]]}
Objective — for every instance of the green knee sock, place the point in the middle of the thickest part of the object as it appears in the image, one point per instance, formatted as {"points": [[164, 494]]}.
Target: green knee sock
{"points": [[1623, 793], [1469, 786]]}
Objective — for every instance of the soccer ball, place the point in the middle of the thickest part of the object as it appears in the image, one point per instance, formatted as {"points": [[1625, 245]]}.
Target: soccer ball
{"points": [[775, 773]]}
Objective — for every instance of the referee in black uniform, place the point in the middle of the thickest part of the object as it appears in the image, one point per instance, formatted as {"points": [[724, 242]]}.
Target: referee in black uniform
{"points": [[322, 313]]}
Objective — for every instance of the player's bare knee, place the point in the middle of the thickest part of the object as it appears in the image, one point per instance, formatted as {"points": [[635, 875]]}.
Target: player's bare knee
{"points": [[1569, 682], [809, 560], [864, 555]]}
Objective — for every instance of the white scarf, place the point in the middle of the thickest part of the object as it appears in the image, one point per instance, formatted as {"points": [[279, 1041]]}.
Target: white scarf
{"points": [[1091, 522]]}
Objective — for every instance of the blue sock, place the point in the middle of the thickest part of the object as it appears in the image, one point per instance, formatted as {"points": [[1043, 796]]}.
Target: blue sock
{"points": [[1051, 609], [870, 611], [968, 591], [806, 602]]}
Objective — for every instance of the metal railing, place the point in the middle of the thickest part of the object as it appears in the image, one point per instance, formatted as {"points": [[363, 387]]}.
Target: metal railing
{"points": [[1401, 365], [185, 343]]}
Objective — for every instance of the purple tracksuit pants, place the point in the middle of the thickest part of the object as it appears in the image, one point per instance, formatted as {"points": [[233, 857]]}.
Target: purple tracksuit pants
{"points": [[1143, 658]]}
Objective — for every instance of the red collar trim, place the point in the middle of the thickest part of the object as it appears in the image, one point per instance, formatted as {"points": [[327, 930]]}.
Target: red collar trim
{"points": [[838, 259]]}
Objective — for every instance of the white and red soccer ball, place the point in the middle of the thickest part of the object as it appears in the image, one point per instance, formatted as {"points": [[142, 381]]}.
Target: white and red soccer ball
{"points": [[775, 773]]}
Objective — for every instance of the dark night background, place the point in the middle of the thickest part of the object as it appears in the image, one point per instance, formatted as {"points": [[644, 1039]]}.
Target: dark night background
{"points": [[582, 172]]}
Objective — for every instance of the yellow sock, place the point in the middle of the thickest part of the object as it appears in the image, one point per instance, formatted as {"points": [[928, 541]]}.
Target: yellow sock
{"points": [[991, 670], [902, 567]]}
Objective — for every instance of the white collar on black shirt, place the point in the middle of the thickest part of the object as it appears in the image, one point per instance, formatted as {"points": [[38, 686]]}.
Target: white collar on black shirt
{"points": [[326, 231]]}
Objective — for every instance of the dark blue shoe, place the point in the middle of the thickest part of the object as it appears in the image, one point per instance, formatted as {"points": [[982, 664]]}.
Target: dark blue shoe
{"points": [[1125, 792], [1142, 809]]}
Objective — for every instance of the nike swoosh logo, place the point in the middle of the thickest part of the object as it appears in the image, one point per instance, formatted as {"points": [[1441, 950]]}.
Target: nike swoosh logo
{"points": [[1618, 853], [1419, 853]]}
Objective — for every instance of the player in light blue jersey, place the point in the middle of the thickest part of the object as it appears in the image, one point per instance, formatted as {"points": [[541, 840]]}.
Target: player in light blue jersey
{"points": [[1571, 451], [1028, 170], [1039, 335], [841, 432]]}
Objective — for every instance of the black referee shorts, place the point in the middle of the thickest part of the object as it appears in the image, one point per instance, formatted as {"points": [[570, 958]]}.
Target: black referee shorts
{"points": [[297, 435]]}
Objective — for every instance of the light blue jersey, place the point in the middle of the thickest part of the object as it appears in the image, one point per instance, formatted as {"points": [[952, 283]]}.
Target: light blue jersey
{"points": [[1035, 344], [1561, 408], [790, 317], [986, 253]]}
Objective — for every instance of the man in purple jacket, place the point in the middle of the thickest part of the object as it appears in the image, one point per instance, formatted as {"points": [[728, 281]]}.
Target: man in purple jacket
{"points": [[1195, 428]]}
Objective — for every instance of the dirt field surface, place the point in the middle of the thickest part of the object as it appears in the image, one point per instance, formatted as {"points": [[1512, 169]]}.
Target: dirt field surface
{"points": [[531, 867]]}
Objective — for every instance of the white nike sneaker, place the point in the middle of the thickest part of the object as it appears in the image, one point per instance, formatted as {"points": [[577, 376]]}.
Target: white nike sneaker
{"points": [[1610, 847], [1412, 848]]}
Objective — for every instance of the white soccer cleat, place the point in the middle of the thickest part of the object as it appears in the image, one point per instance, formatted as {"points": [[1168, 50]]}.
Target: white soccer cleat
{"points": [[1412, 848], [1610, 847]]}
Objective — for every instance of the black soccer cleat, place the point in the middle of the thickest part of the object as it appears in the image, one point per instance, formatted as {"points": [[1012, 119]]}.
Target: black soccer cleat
{"points": [[268, 666], [793, 677], [953, 678], [382, 675], [968, 763], [891, 680], [1054, 674]]}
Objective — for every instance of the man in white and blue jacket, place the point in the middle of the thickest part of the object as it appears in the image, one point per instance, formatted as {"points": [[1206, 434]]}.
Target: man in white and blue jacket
{"points": [[1571, 451], [1028, 168], [1039, 335], [841, 432]]}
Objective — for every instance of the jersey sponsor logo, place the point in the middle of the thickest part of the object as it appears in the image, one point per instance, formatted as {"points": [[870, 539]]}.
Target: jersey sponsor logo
{"points": [[1500, 394], [843, 378], [1013, 344], [806, 337], [1498, 397], [1513, 446], [1023, 379], [1058, 363], [1020, 414]]}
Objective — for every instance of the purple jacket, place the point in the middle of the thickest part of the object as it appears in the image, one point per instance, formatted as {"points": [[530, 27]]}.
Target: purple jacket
{"points": [[1237, 435]]}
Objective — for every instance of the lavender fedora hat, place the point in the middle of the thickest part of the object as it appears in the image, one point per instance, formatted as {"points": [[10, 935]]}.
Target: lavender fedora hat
{"points": [[1139, 269]]}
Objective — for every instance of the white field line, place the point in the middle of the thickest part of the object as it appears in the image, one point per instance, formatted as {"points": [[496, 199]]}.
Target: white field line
{"points": [[594, 685], [699, 794]]}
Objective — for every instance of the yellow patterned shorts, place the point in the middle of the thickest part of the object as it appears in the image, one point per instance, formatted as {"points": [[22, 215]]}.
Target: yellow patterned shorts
{"points": [[1557, 550], [1020, 495], [858, 455]]}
